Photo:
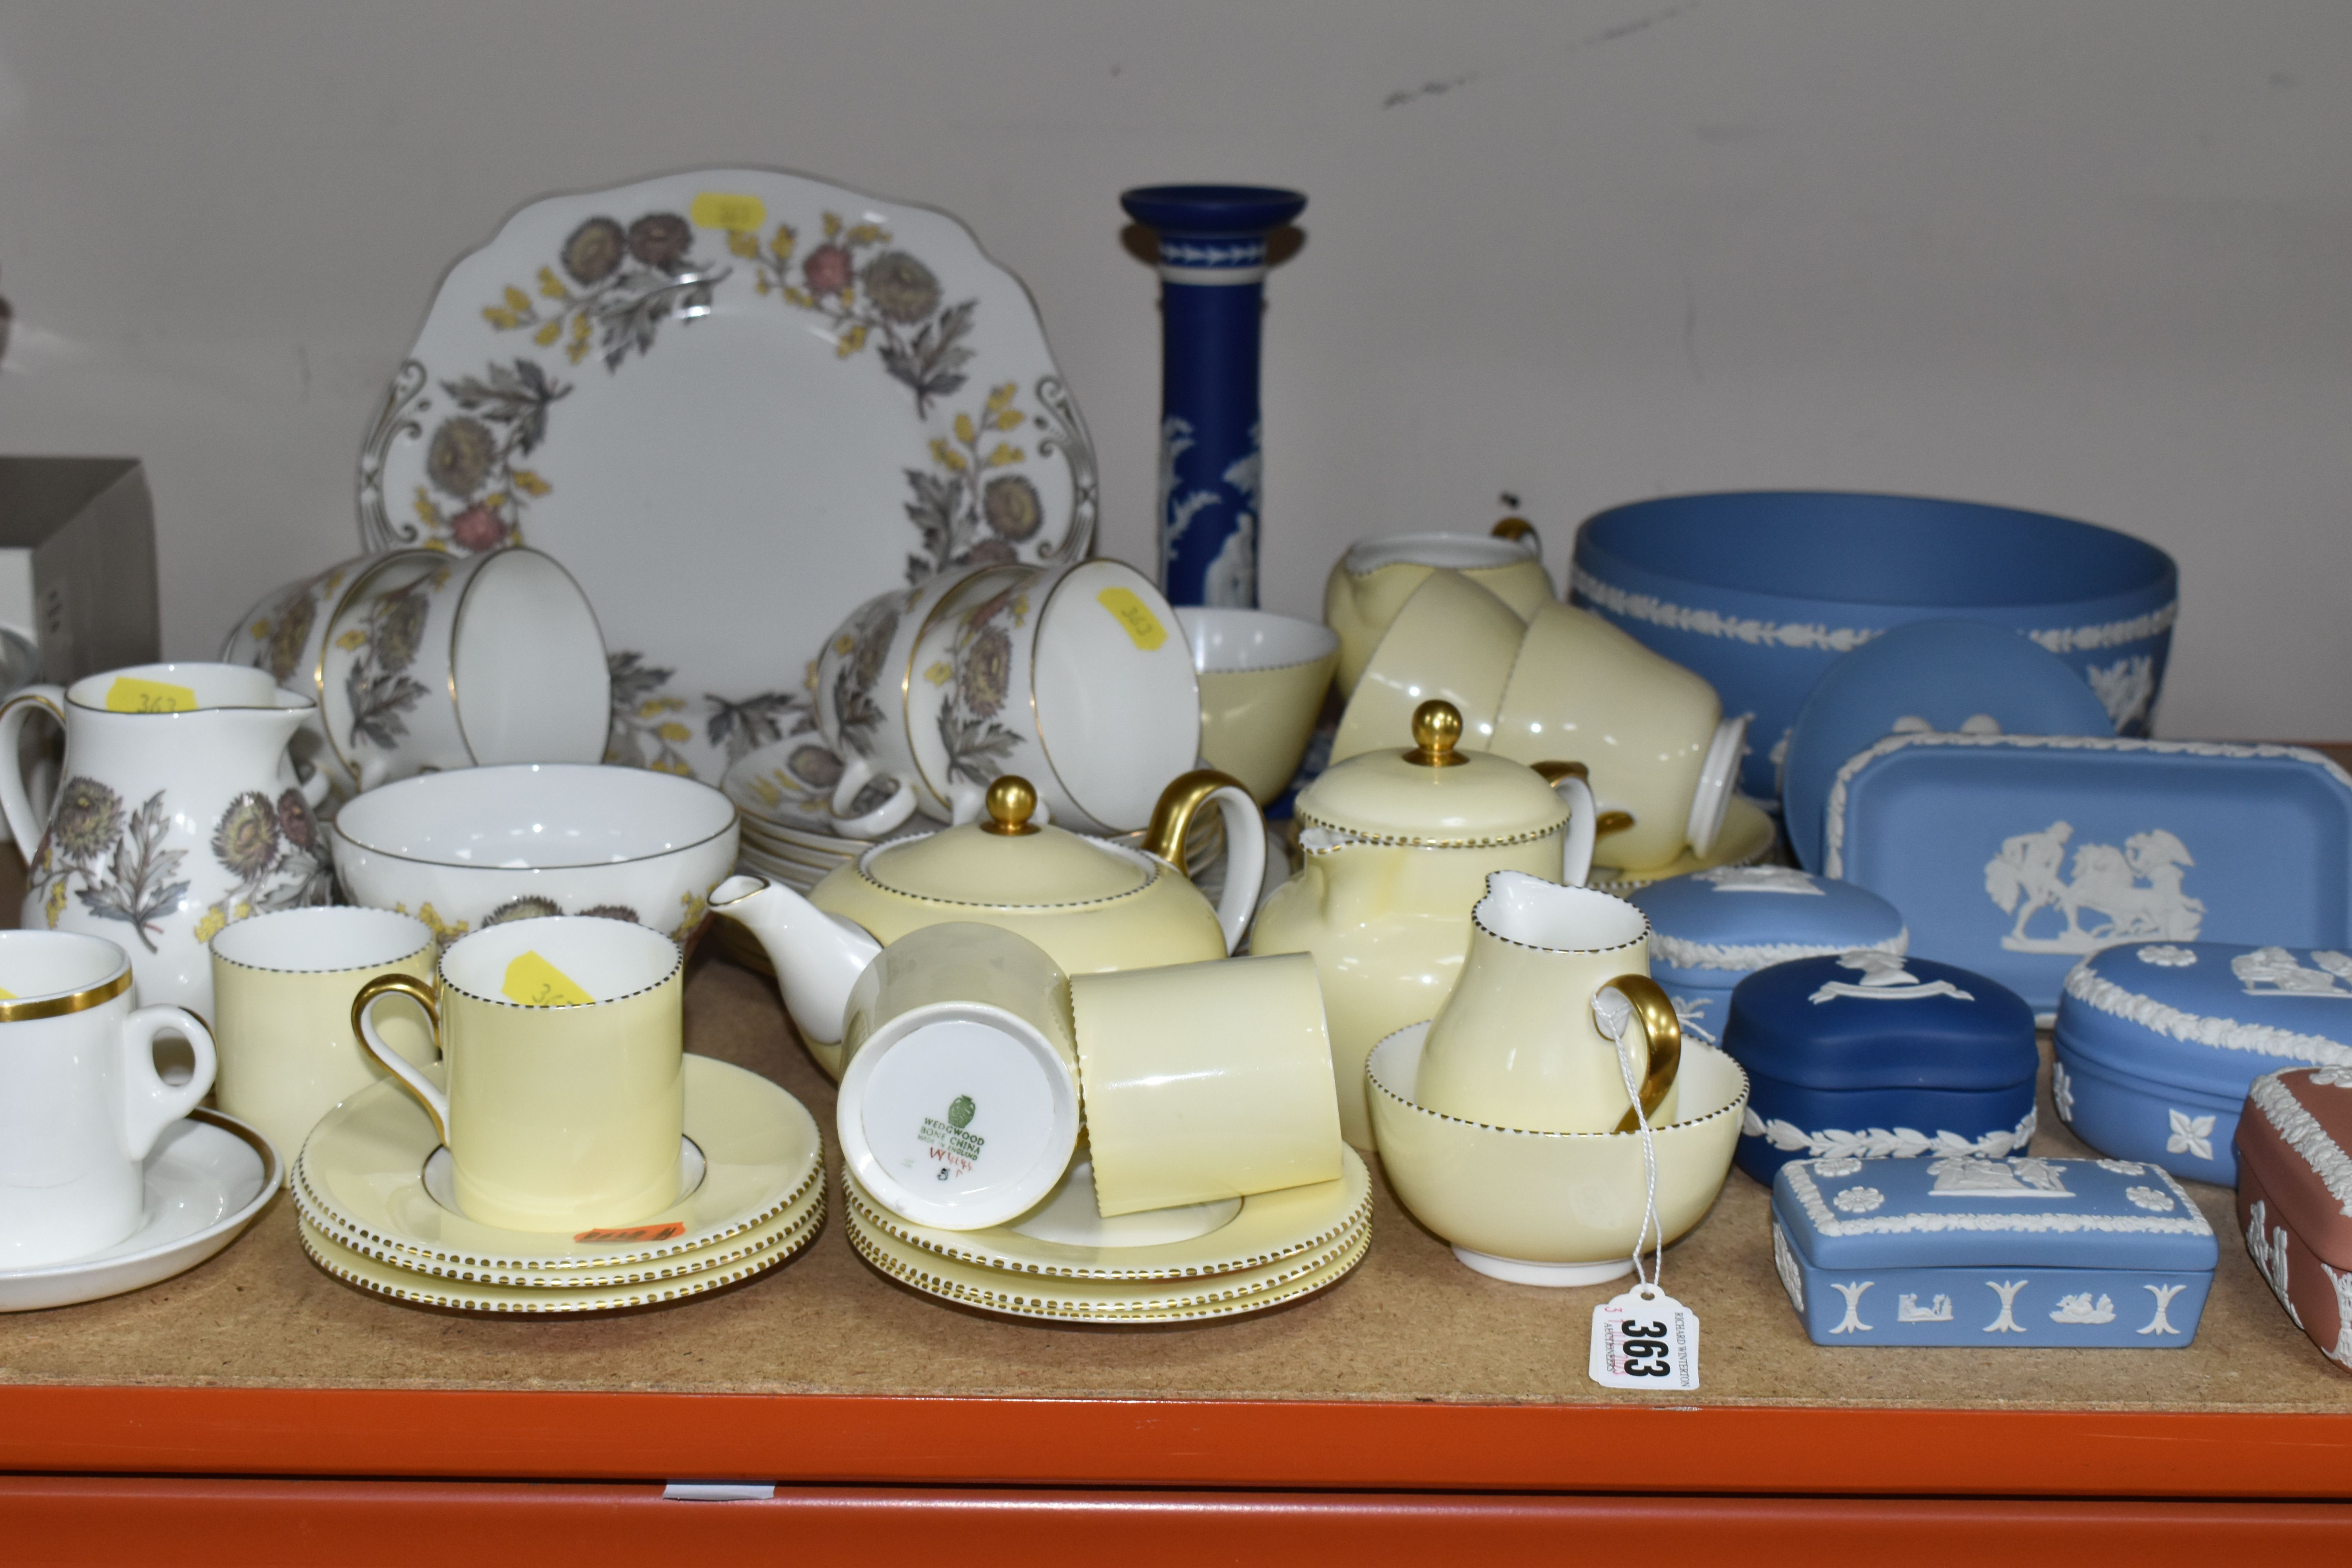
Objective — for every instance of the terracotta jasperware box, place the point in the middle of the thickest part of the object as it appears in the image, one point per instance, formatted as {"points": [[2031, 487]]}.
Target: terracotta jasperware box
{"points": [[2294, 1197]]}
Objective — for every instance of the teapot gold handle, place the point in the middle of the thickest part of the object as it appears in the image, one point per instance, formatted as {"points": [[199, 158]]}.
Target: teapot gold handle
{"points": [[1171, 819], [1662, 1031]]}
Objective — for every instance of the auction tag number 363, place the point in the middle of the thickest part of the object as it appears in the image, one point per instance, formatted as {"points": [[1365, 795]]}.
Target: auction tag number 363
{"points": [[1644, 1339]]}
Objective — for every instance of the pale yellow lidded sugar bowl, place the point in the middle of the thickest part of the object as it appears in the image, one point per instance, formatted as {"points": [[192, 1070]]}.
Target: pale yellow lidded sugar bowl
{"points": [[1090, 903], [1398, 844]]}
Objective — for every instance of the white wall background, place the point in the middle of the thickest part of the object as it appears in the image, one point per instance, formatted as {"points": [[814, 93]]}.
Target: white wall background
{"points": [[2088, 256]]}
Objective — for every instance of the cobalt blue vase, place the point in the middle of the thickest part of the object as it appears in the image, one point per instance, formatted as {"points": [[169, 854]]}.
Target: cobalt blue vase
{"points": [[1213, 242]]}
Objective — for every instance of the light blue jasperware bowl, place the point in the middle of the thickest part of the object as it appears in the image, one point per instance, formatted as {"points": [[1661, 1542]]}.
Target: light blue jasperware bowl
{"points": [[1761, 590]]}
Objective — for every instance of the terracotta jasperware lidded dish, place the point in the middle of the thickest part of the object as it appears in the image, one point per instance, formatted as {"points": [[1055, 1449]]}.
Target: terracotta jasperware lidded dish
{"points": [[1398, 844], [1091, 904]]}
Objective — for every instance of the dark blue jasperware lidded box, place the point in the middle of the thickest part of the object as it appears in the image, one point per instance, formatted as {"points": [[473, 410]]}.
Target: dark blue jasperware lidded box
{"points": [[1712, 929], [2018, 1252], [1871, 1054], [2159, 1042]]}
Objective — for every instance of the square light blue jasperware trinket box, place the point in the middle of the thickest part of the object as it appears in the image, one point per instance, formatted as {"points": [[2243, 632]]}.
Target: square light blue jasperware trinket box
{"points": [[2016, 1252], [2159, 1042], [1712, 929], [1871, 1054]]}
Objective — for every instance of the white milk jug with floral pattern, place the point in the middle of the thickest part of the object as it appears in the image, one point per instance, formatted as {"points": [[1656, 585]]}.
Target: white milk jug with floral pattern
{"points": [[179, 811]]}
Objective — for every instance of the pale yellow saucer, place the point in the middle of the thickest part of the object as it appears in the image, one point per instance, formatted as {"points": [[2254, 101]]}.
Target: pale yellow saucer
{"points": [[928, 1276], [1248, 1233], [781, 1229], [382, 1278], [1747, 837], [1002, 1290], [364, 1170]]}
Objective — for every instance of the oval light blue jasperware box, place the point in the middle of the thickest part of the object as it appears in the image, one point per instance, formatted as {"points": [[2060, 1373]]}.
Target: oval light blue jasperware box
{"points": [[2159, 1042], [1712, 929], [2015, 1253], [1872, 1054]]}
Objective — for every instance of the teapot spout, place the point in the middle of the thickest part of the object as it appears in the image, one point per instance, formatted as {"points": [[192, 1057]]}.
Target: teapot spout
{"points": [[817, 956]]}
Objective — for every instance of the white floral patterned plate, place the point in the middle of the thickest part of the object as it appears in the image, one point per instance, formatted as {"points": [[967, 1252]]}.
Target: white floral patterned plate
{"points": [[731, 402]]}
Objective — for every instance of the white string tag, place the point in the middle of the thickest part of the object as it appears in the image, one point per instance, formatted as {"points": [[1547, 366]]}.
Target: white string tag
{"points": [[1644, 1338]]}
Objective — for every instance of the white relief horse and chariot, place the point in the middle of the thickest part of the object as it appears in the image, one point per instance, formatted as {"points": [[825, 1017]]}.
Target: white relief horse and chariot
{"points": [[2137, 889]]}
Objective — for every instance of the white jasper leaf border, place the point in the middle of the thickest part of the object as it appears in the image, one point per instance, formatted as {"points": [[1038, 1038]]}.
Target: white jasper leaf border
{"points": [[2096, 991], [1817, 1209], [1882, 1142], [2304, 1134], [1746, 959]]}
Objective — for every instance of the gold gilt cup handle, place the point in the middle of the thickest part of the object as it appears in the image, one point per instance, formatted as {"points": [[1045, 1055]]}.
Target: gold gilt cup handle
{"points": [[429, 1094], [1662, 1034]]}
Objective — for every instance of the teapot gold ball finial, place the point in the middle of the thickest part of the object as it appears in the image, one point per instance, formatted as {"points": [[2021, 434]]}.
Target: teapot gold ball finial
{"points": [[1436, 729], [1011, 801]]}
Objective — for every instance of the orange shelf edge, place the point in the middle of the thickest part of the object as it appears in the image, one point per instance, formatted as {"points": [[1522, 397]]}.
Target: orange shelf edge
{"points": [[915, 1441]]}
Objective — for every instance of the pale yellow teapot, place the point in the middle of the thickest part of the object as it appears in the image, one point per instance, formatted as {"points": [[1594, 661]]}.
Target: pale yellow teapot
{"points": [[1091, 904], [1398, 844]]}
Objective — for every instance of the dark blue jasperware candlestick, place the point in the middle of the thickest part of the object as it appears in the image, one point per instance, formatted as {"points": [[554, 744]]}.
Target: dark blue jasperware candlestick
{"points": [[1213, 243]]}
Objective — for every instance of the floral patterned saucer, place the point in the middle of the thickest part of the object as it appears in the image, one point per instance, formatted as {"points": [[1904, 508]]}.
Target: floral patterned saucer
{"points": [[729, 402]]}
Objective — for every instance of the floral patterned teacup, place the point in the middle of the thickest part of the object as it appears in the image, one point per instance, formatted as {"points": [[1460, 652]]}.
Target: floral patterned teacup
{"points": [[433, 662], [863, 679], [1076, 677], [180, 812], [285, 633]]}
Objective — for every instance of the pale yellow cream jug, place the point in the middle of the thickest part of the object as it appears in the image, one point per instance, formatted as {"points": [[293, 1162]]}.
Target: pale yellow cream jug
{"points": [[1517, 1044], [1398, 843]]}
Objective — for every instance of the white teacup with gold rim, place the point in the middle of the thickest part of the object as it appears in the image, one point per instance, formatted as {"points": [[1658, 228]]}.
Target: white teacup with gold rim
{"points": [[282, 988], [1370, 582], [560, 1042], [1517, 1044], [80, 1099], [864, 679], [1078, 679], [1263, 677]]}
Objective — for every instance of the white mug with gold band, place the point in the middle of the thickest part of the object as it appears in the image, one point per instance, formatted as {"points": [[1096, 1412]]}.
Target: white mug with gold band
{"points": [[1205, 1082], [560, 1042], [282, 987], [80, 1099]]}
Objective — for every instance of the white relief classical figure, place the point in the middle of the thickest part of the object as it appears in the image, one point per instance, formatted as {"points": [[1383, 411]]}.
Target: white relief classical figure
{"points": [[1884, 978], [1908, 1310], [1785, 879], [2162, 1324], [2140, 888], [2275, 972], [2268, 1249], [2190, 1135], [2342, 1285], [2023, 1177], [1793, 1278], [2081, 1310], [1852, 1322], [2007, 1290]]}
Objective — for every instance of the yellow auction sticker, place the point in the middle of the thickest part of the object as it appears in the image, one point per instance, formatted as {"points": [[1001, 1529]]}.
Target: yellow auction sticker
{"points": [[129, 694], [718, 209], [535, 983], [1134, 617]]}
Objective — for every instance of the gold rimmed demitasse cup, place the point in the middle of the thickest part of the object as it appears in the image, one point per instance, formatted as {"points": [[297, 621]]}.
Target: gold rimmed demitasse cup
{"points": [[560, 1044]]}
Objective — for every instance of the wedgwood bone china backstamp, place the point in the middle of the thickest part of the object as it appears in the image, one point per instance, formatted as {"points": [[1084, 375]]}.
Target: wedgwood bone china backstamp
{"points": [[618, 364]]}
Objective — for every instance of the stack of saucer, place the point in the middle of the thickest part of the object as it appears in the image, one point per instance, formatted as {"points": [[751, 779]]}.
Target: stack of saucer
{"points": [[1062, 1261], [379, 1210]]}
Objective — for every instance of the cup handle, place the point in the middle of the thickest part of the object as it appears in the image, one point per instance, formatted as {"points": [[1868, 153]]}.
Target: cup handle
{"points": [[429, 1094], [1245, 841], [1662, 1041], [890, 814], [25, 823], [1572, 780], [150, 1105], [314, 788]]}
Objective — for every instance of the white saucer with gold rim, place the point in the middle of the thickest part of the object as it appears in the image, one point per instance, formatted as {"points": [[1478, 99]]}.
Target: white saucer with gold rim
{"points": [[366, 1172], [1066, 1238]]}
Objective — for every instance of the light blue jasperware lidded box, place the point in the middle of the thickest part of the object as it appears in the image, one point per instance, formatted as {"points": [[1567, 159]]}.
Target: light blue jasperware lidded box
{"points": [[1869, 1053], [1712, 929], [2159, 1042], [2016, 1252]]}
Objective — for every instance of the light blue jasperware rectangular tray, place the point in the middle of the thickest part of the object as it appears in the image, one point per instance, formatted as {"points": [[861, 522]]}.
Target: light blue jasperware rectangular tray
{"points": [[2016, 856]]}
